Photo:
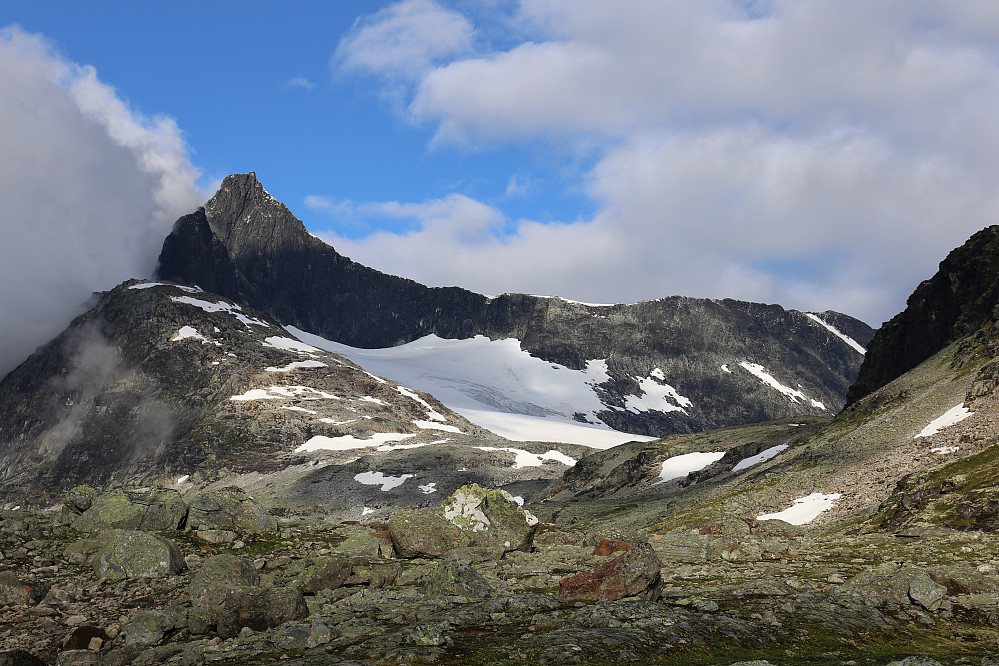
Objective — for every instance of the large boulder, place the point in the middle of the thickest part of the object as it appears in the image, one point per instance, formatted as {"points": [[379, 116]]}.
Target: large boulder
{"points": [[635, 573], [321, 573], [134, 554], [217, 575], [490, 517], [419, 533], [15, 593], [456, 578], [146, 508], [230, 508], [259, 609]]}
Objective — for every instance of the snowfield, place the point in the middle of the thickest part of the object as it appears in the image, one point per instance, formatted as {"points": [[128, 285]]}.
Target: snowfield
{"points": [[497, 385]]}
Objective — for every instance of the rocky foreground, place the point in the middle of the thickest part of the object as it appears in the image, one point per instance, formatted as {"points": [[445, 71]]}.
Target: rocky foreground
{"points": [[145, 576]]}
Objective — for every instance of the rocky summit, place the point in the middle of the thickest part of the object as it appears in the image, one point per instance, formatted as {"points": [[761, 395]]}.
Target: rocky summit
{"points": [[658, 367], [192, 476]]}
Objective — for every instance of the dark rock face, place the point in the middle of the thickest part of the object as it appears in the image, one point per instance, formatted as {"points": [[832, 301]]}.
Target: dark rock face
{"points": [[959, 300], [249, 247]]}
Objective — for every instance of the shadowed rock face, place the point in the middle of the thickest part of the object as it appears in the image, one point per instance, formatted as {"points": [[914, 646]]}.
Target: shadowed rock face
{"points": [[249, 247], [958, 301]]}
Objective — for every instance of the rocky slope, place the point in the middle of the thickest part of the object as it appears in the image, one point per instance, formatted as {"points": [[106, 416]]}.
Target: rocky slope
{"points": [[958, 301], [671, 365], [167, 383]]}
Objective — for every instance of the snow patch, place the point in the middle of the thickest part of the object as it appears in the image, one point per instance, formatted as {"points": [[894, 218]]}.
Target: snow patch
{"points": [[656, 396], [429, 488], [432, 414], [763, 456], [183, 478], [188, 333], [293, 408], [221, 306], [348, 442], [297, 365], [805, 509], [944, 450], [835, 331], [949, 418], [682, 465], [378, 479], [280, 392], [288, 344], [761, 373], [434, 425], [528, 459], [725, 368]]}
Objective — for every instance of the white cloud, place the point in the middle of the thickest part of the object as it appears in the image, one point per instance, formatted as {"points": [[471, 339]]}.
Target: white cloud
{"points": [[301, 82], [90, 189], [403, 39], [825, 154]]}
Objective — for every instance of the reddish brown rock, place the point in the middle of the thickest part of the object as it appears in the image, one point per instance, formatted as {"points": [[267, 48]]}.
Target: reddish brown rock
{"points": [[635, 573], [610, 546]]}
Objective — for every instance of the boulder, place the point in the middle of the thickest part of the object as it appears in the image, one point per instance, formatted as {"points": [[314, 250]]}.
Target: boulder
{"points": [[147, 628], [926, 592], [15, 593], [259, 609], [230, 508], [19, 658], [490, 517], [146, 508], [611, 546], [419, 533], [80, 498], [322, 573], [362, 541], [456, 578], [218, 574], [635, 573], [134, 554]]}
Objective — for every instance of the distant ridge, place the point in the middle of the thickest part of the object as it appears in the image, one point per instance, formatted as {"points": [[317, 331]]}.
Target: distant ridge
{"points": [[247, 246]]}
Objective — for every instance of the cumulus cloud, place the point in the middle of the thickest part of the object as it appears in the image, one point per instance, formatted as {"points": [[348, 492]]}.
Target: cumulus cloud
{"points": [[822, 155], [90, 189]]}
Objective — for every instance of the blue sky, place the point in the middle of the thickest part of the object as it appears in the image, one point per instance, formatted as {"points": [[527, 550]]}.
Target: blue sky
{"points": [[820, 155]]}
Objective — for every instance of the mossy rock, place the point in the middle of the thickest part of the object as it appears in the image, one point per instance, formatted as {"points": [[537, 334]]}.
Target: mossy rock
{"points": [[134, 554], [259, 609], [216, 575], [322, 573], [230, 508], [456, 578], [80, 498], [419, 533], [489, 517], [145, 508]]}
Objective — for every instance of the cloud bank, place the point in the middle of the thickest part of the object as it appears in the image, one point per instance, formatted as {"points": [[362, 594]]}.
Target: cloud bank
{"points": [[90, 189], [821, 155]]}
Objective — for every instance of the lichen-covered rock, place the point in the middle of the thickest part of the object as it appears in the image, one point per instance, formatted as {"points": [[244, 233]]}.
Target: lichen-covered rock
{"points": [[230, 508], [926, 592], [145, 508], [80, 498], [490, 517], [147, 628], [635, 573], [456, 578], [322, 573], [259, 609], [218, 574], [15, 593], [363, 541], [419, 533], [134, 554]]}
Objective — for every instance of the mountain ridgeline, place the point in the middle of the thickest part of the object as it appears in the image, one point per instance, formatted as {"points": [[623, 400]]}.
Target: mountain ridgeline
{"points": [[960, 300], [248, 247]]}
